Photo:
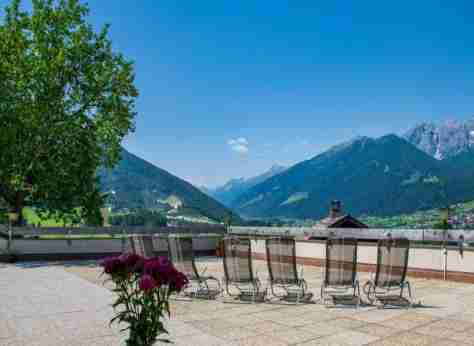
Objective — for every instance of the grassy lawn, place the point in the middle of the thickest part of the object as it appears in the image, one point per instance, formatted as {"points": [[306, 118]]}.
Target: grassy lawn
{"points": [[33, 218], [80, 236]]}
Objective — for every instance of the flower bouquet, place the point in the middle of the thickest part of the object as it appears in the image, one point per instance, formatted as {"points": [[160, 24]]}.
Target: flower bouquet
{"points": [[143, 287]]}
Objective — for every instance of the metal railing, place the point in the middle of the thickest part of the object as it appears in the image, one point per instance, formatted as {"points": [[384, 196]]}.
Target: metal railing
{"points": [[427, 235], [114, 230]]}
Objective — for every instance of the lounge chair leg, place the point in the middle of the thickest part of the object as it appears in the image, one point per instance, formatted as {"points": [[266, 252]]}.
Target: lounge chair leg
{"points": [[227, 289], [323, 295], [409, 293], [272, 289], [302, 291], [358, 293]]}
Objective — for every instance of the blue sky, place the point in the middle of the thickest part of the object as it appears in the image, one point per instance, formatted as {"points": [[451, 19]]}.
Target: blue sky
{"points": [[229, 88]]}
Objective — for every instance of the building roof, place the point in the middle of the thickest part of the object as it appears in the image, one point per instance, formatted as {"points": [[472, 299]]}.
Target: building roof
{"points": [[343, 221]]}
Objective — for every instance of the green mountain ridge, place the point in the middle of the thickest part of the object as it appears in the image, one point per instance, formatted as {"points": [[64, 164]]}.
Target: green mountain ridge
{"points": [[234, 188], [136, 183], [384, 176]]}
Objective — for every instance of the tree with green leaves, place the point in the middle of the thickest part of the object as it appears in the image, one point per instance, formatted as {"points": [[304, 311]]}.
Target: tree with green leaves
{"points": [[66, 102]]}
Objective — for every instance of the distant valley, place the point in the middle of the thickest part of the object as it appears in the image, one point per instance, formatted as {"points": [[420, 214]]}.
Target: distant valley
{"points": [[461, 216], [430, 166], [234, 188], [137, 184]]}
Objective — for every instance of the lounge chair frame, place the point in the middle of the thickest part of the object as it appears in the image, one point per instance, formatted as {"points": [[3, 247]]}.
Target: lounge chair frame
{"points": [[181, 253], [282, 269], [340, 268], [238, 269], [390, 277], [142, 245]]}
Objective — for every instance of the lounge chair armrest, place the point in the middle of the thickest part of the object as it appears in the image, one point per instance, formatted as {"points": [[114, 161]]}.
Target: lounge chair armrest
{"points": [[300, 271], [357, 279], [204, 270], [372, 276]]}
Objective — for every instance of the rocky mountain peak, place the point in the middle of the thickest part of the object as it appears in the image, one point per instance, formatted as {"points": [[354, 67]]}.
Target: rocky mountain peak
{"points": [[442, 140]]}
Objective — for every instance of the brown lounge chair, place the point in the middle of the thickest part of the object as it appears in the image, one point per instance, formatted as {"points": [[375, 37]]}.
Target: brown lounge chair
{"points": [[340, 273], [181, 252], [142, 245], [390, 274], [282, 270], [238, 270]]}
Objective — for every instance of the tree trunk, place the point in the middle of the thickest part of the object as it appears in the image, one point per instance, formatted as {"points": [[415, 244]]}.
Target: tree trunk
{"points": [[18, 209]]}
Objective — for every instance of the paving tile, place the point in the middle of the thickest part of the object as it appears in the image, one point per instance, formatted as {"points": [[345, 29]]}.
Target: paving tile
{"points": [[268, 327], [245, 320], [445, 328], [260, 340], [349, 338], [319, 316], [100, 341], [378, 315], [198, 340], [406, 339], [210, 325], [62, 341], [466, 337], [293, 336], [447, 342], [7, 329], [408, 321], [414, 316], [235, 333], [377, 330], [346, 323], [435, 332], [469, 317], [72, 308], [291, 321], [320, 329], [178, 329]]}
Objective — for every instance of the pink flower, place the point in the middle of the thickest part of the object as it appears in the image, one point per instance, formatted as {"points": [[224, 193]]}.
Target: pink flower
{"points": [[160, 269], [133, 262], [164, 273], [180, 281], [146, 283], [113, 266]]}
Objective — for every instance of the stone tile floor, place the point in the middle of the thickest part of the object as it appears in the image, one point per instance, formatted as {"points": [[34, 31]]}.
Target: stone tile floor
{"points": [[66, 304]]}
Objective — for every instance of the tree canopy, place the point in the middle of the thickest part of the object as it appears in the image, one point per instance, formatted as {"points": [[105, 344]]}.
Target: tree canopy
{"points": [[66, 102], [140, 217]]}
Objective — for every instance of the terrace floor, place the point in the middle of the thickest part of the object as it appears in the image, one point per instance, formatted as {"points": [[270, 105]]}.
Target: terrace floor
{"points": [[66, 304]]}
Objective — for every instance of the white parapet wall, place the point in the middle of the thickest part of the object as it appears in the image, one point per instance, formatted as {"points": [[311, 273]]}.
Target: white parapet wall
{"points": [[93, 246], [422, 259]]}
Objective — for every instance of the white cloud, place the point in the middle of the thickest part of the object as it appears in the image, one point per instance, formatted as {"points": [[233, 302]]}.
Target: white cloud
{"points": [[240, 140], [239, 145], [304, 141]]}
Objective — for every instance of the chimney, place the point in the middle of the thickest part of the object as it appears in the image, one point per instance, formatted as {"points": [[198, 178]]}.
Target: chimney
{"points": [[336, 209]]}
